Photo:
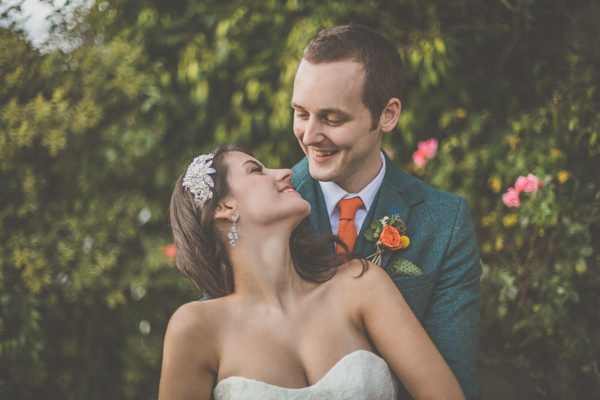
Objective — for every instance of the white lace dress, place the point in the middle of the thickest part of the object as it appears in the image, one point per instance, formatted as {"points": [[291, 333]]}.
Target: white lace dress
{"points": [[359, 375]]}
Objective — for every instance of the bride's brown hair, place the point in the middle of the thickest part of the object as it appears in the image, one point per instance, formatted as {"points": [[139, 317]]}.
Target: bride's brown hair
{"points": [[201, 252]]}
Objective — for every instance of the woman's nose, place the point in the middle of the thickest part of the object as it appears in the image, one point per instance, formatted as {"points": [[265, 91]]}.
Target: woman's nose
{"points": [[284, 175]]}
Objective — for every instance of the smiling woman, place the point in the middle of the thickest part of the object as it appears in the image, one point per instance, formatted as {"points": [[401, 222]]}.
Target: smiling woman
{"points": [[261, 199], [287, 317]]}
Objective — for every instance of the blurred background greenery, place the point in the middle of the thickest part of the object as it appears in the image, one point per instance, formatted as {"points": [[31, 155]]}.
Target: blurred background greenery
{"points": [[97, 123]]}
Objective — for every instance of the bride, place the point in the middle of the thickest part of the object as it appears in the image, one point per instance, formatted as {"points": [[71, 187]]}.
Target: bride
{"points": [[288, 318]]}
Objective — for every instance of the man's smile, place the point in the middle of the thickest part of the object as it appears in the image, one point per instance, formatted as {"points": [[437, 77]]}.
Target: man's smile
{"points": [[324, 153]]}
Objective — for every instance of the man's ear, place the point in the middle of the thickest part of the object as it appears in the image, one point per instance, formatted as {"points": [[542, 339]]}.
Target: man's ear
{"points": [[390, 114]]}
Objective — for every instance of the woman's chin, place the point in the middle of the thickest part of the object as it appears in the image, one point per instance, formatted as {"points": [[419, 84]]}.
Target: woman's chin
{"points": [[308, 208], [295, 218]]}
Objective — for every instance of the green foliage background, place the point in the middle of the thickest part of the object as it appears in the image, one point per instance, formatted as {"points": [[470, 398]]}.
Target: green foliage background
{"points": [[96, 126]]}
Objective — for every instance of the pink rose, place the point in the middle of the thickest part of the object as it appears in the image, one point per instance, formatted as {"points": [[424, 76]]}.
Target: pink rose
{"points": [[527, 184], [511, 198], [533, 185], [425, 152], [428, 148], [520, 183], [419, 159]]}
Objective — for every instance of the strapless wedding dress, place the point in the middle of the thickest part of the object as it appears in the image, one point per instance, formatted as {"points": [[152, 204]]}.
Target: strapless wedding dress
{"points": [[359, 375]]}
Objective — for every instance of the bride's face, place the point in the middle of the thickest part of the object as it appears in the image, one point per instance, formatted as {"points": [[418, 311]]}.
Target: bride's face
{"points": [[261, 195]]}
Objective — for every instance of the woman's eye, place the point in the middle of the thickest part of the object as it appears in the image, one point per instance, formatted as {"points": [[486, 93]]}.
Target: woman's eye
{"points": [[256, 169]]}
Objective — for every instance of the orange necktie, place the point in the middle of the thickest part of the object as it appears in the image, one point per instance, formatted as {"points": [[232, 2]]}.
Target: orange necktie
{"points": [[347, 228]]}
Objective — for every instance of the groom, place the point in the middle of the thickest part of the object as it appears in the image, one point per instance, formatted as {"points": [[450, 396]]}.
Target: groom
{"points": [[346, 96]]}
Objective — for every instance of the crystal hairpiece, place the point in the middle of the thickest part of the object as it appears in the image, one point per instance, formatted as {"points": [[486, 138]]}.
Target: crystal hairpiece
{"points": [[197, 178]]}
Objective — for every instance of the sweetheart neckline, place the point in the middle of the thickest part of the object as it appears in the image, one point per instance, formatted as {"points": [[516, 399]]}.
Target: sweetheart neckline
{"points": [[359, 351]]}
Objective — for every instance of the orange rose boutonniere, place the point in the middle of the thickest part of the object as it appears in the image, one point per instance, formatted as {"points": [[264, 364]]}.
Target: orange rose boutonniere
{"points": [[388, 234], [391, 238]]}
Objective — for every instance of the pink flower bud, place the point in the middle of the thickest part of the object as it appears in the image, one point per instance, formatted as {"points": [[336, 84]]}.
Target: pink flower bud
{"points": [[419, 159], [511, 198], [169, 251], [428, 147]]}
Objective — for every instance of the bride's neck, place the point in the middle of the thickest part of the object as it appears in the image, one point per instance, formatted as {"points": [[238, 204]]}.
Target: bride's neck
{"points": [[263, 269]]}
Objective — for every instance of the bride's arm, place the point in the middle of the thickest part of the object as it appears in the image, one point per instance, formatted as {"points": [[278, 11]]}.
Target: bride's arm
{"points": [[189, 358], [401, 340]]}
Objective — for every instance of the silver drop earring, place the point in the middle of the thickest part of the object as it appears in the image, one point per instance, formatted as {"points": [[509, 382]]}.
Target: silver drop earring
{"points": [[233, 235]]}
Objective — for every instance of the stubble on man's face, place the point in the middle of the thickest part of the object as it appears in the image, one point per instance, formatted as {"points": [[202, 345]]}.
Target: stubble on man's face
{"points": [[333, 125]]}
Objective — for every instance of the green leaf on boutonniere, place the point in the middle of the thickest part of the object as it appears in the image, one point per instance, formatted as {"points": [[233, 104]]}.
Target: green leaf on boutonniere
{"points": [[370, 235], [376, 225], [403, 267]]}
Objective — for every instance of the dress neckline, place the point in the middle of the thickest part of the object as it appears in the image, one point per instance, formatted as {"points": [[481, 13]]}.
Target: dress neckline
{"points": [[360, 352]]}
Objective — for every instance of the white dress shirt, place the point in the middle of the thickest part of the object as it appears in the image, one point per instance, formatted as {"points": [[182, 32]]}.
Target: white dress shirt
{"points": [[333, 194]]}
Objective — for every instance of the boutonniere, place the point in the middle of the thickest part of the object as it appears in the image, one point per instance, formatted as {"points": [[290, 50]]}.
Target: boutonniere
{"points": [[388, 235]]}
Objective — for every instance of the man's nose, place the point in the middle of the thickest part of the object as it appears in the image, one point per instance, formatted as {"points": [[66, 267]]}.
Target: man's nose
{"points": [[312, 132]]}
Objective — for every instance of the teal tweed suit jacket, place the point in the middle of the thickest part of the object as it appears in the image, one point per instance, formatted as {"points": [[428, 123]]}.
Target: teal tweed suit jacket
{"points": [[445, 298]]}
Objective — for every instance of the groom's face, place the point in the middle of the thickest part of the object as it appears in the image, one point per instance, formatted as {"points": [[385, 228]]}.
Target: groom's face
{"points": [[333, 125]]}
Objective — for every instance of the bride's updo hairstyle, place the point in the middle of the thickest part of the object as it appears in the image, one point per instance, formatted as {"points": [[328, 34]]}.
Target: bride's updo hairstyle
{"points": [[201, 249]]}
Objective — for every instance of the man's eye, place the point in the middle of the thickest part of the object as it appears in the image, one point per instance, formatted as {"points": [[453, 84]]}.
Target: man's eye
{"points": [[301, 115], [333, 121]]}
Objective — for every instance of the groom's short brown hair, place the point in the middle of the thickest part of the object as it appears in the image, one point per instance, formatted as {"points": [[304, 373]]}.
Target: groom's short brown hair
{"points": [[384, 73]]}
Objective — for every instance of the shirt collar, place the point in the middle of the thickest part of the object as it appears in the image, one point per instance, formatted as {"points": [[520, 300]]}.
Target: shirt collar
{"points": [[333, 193]]}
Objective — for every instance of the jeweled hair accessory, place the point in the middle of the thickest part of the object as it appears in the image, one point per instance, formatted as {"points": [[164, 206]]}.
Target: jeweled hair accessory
{"points": [[197, 178]]}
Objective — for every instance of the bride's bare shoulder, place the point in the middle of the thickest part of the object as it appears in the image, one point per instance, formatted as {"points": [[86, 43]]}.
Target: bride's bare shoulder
{"points": [[196, 320], [191, 350], [360, 271], [193, 336], [359, 275]]}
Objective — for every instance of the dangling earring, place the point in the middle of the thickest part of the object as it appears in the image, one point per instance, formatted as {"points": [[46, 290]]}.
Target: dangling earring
{"points": [[233, 235]]}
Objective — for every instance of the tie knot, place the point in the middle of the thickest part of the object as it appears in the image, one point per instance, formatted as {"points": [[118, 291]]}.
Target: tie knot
{"points": [[348, 207]]}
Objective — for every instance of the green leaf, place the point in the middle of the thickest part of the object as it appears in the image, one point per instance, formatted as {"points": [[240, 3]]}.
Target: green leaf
{"points": [[376, 225], [370, 235]]}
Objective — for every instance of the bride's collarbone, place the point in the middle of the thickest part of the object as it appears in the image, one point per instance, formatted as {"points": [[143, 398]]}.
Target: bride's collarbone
{"points": [[315, 321]]}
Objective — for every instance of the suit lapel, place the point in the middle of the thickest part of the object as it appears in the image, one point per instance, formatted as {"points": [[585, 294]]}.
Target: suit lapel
{"points": [[396, 195], [387, 202], [311, 192], [318, 212]]}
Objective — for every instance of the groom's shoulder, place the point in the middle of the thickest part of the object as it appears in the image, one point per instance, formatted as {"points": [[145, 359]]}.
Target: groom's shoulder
{"points": [[420, 192]]}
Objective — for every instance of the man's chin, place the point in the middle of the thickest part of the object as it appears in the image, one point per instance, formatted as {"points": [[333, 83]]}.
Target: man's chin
{"points": [[320, 174]]}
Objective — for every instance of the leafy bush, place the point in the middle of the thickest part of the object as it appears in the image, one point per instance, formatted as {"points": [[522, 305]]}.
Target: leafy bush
{"points": [[541, 260], [93, 136], [82, 206]]}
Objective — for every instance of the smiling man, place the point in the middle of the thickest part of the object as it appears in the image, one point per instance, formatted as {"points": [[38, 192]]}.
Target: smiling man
{"points": [[346, 96], [333, 125]]}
